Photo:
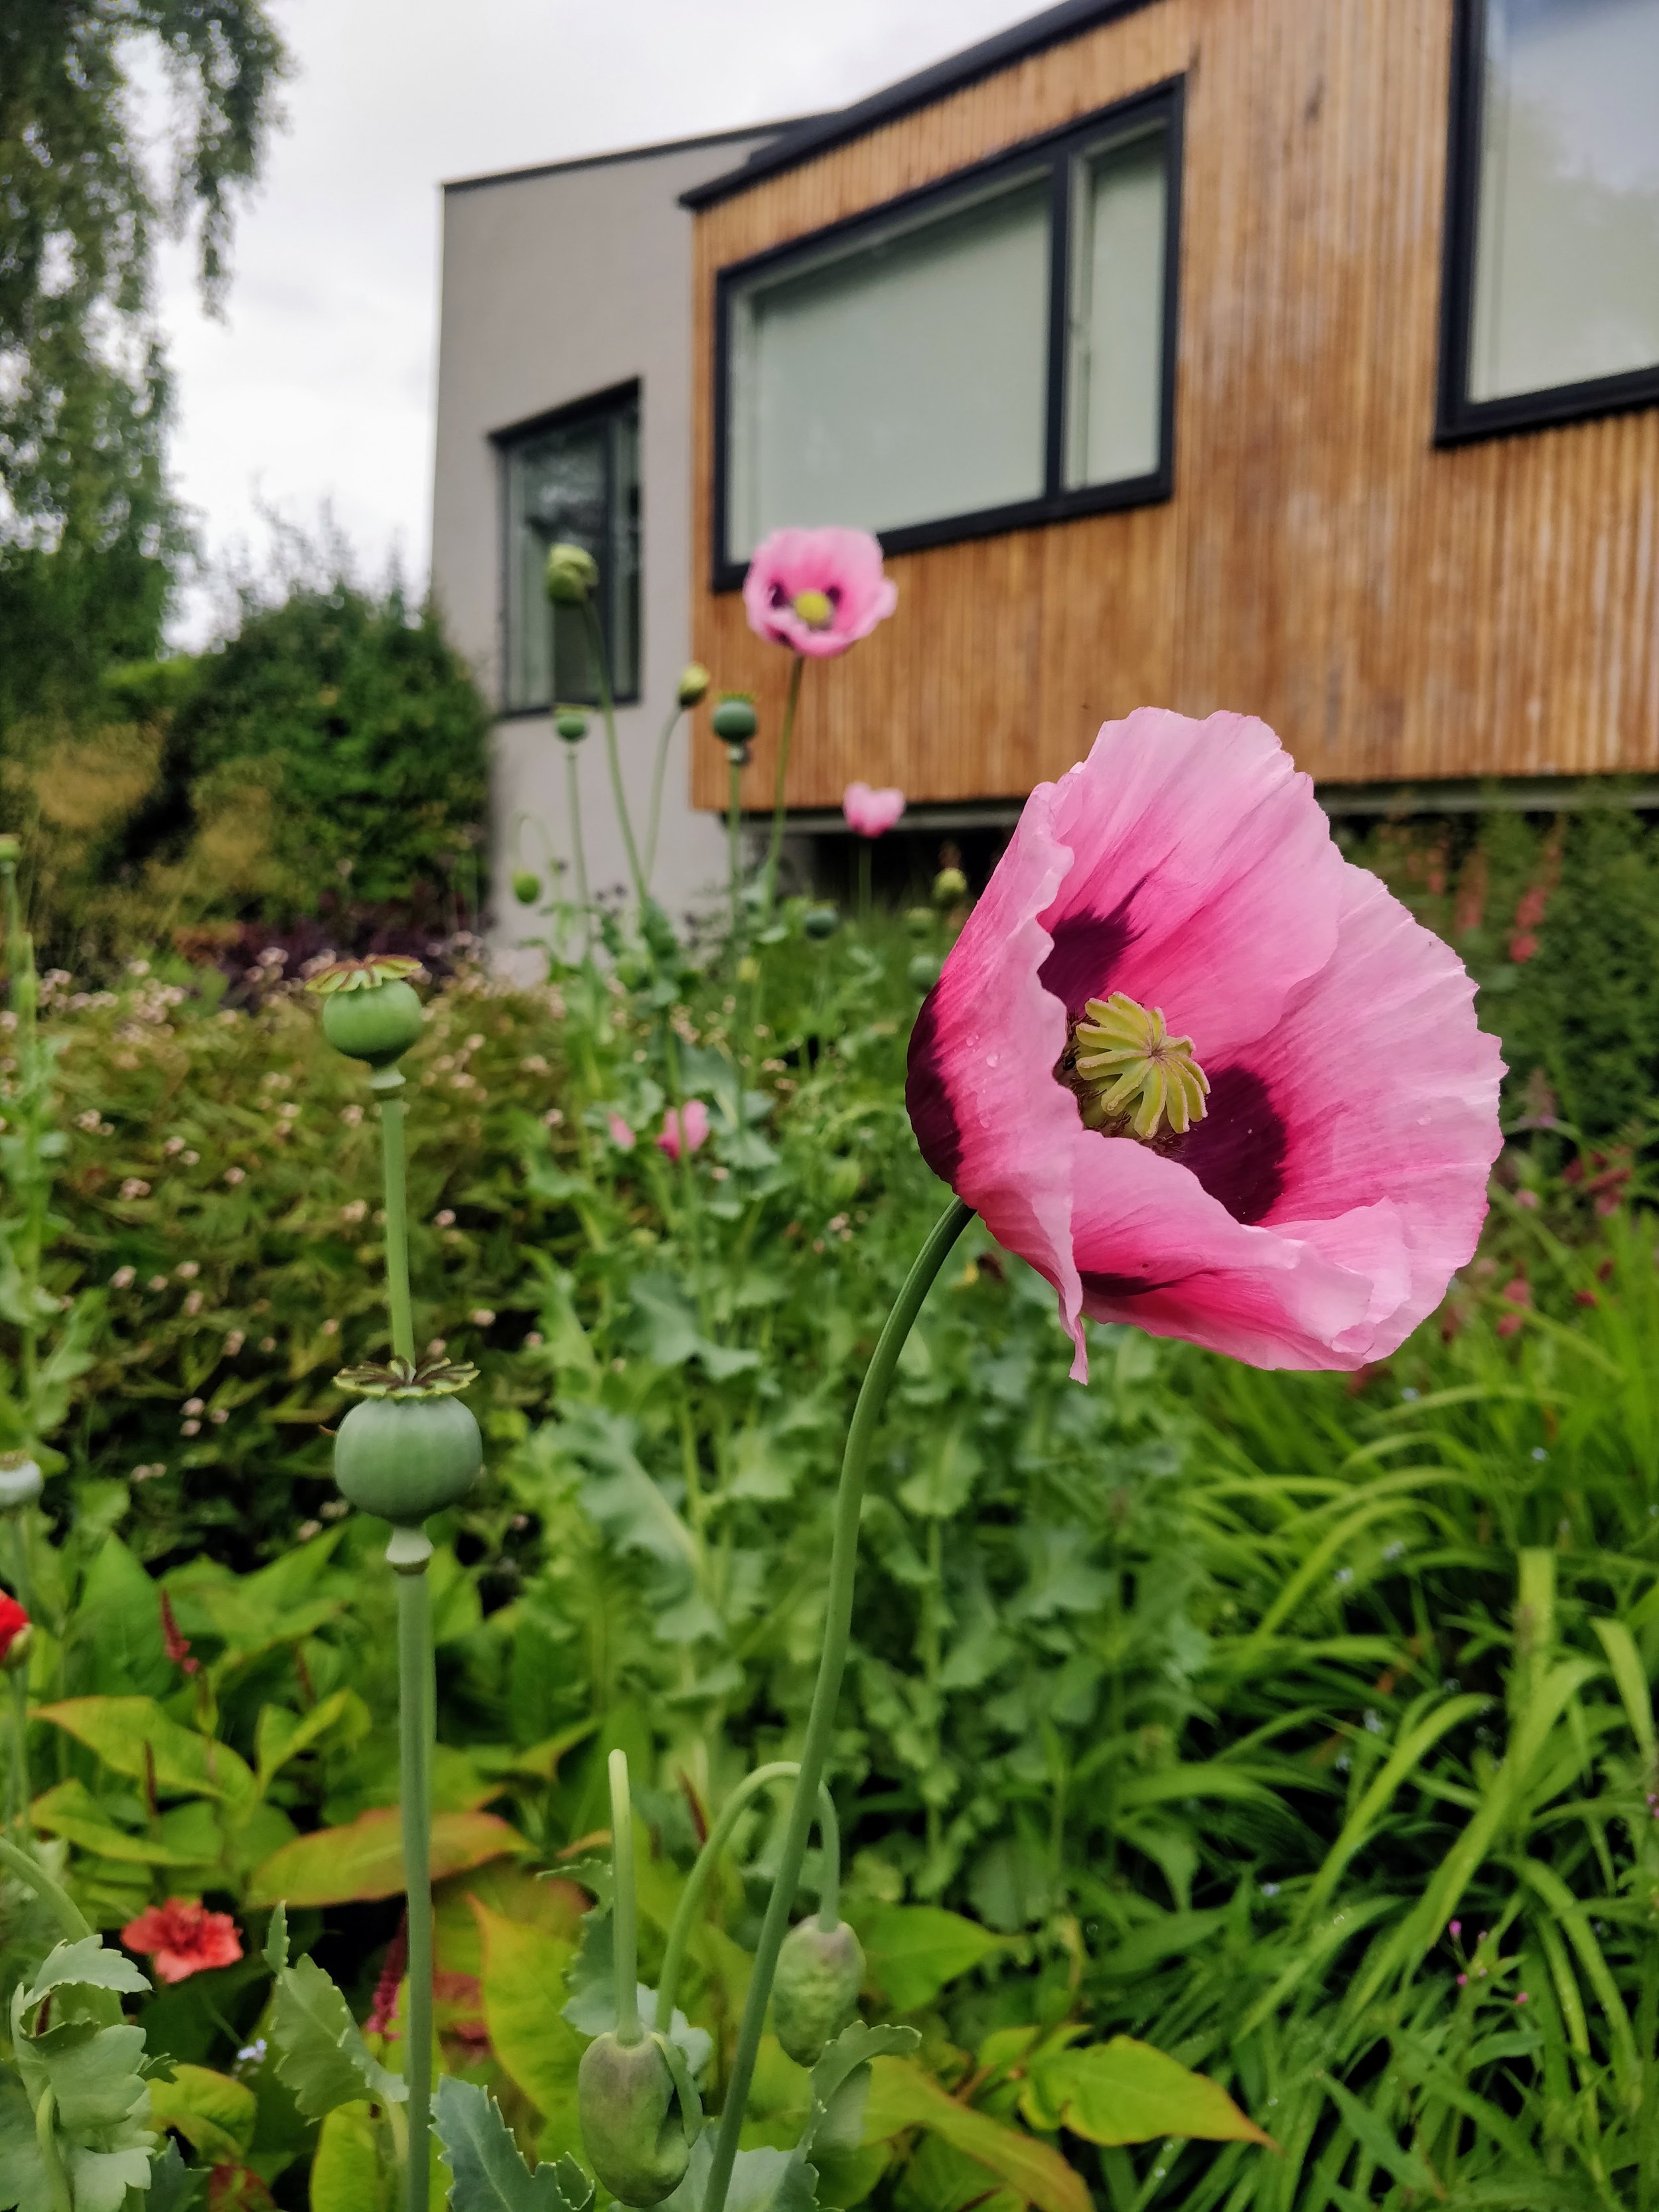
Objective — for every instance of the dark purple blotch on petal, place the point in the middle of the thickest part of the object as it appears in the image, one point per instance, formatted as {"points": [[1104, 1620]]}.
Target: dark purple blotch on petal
{"points": [[1237, 1151], [1086, 948], [1097, 1284], [926, 1098]]}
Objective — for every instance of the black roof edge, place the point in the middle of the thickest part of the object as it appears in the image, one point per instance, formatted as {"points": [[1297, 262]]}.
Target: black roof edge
{"points": [[816, 134], [786, 125]]}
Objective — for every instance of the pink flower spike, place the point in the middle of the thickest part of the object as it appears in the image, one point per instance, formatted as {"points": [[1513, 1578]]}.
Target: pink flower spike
{"points": [[872, 813], [1454, 1928], [695, 1124], [1199, 1071], [818, 591], [621, 1135]]}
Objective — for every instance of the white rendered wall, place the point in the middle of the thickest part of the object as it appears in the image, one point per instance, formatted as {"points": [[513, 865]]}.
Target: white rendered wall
{"points": [[557, 284]]}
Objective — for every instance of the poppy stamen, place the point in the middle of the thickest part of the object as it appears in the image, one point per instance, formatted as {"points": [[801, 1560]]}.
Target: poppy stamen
{"points": [[1132, 1077]]}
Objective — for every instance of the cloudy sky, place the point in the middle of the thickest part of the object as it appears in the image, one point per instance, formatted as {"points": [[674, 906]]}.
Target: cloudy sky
{"points": [[317, 386]]}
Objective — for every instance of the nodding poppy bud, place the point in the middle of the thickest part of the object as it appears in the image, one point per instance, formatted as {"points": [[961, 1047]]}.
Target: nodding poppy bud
{"points": [[734, 719], [572, 576], [21, 1480], [950, 888], [526, 887], [820, 921], [639, 2116], [693, 685], [571, 724], [11, 850], [406, 1457], [816, 1991], [370, 1011], [923, 971], [919, 921]]}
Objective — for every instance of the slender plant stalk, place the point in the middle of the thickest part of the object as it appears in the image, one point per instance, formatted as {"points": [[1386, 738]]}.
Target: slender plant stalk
{"points": [[418, 1695], [29, 1871], [613, 754], [734, 844], [45, 2137], [24, 992], [837, 1625], [785, 738], [394, 1155], [657, 775], [866, 873], [624, 1908], [572, 792]]}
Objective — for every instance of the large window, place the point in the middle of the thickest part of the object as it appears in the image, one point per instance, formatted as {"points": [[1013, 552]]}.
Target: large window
{"points": [[1553, 215], [572, 478], [996, 351]]}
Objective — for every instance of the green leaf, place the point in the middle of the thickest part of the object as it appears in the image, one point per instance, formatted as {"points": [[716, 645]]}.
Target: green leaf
{"points": [[71, 1811], [902, 2095], [914, 1950], [365, 1859], [118, 1619], [174, 2186], [277, 1940], [523, 1982], [281, 1735], [1124, 2092], [213, 2113], [88, 1965], [322, 2057], [839, 2085], [490, 2174], [133, 1736], [348, 2173]]}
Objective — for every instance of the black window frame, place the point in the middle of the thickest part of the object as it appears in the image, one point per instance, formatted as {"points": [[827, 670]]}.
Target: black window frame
{"points": [[593, 406], [1459, 419], [1163, 103]]}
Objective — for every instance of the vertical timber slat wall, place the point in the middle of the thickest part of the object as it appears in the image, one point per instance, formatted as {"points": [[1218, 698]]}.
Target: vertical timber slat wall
{"points": [[1396, 612]]}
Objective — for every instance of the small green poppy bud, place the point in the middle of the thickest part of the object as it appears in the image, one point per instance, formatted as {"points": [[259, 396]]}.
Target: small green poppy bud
{"points": [[919, 921], [734, 719], [635, 2128], [950, 888], [571, 724], [572, 576], [923, 971], [526, 887], [405, 1458], [693, 685], [816, 1991], [820, 921]]}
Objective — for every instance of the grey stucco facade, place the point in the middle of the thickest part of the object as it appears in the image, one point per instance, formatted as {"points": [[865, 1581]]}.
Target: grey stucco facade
{"points": [[558, 284]]}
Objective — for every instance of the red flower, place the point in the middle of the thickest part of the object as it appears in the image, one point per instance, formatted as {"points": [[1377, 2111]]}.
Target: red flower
{"points": [[185, 1937], [13, 1621]]}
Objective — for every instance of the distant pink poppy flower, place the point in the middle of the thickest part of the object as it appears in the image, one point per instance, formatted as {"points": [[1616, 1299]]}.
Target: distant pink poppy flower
{"points": [[184, 1938], [1292, 1177], [621, 1135], [818, 591], [695, 1126], [872, 813]]}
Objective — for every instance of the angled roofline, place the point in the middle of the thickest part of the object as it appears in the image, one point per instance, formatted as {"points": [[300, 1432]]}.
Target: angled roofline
{"points": [[786, 125], [816, 134]]}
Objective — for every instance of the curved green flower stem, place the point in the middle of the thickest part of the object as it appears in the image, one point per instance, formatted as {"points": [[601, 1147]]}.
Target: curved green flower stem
{"points": [[867, 873], [837, 1625], [624, 1904], [690, 1901], [394, 1154], [785, 738], [409, 1553], [734, 845], [607, 708], [572, 792], [24, 992], [29, 1870], [655, 823], [45, 2137]]}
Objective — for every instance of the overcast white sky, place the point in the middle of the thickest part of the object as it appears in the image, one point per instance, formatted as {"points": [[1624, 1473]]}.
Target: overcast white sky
{"points": [[318, 384]]}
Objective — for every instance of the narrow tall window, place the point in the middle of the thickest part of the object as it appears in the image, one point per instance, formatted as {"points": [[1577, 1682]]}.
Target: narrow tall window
{"points": [[1554, 211], [994, 351], [572, 478]]}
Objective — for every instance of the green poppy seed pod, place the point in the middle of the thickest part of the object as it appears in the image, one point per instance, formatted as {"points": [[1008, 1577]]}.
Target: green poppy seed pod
{"points": [[923, 971], [21, 1480], [693, 685], [378, 1025], [820, 921], [572, 576], [635, 2129], [919, 921], [734, 719], [526, 887], [816, 1991], [406, 1458], [571, 724], [950, 888]]}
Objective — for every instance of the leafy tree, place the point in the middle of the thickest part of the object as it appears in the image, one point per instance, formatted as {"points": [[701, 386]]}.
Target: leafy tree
{"points": [[88, 532]]}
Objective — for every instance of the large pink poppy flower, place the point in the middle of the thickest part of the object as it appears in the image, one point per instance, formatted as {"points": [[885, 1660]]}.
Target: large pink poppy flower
{"points": [[1202, 1073], [818, 591]]}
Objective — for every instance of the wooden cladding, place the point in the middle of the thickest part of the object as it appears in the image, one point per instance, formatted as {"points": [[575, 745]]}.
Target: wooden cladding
{"points": [[1395, 610]]}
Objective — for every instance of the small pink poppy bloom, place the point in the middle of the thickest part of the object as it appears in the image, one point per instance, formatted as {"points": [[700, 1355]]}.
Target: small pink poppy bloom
{"points": [[1202, 1073], [185, 1938], [872, 813], [818, 591], [621, 1135], [695, 1129]]}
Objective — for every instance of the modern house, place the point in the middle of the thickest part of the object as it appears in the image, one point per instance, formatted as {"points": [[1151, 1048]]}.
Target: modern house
{"points": [[1300, 356]]}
